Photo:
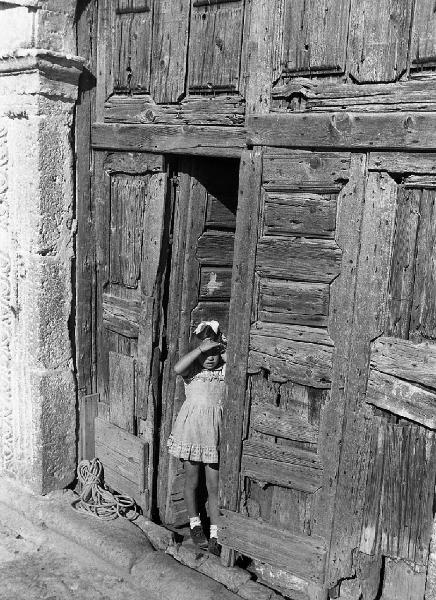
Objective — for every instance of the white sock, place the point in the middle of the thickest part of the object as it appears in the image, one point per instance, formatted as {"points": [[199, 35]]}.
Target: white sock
{"points": [[194, 521], [214, 531]]}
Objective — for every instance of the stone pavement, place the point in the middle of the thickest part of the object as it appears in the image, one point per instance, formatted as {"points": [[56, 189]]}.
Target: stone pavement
{"points": [[49, 551]]}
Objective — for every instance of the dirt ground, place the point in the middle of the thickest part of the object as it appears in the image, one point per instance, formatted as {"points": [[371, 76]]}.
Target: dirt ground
{"points": [[31, 571]]}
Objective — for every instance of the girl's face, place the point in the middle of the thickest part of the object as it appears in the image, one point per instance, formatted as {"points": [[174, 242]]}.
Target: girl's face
{"points": [[210, 360]]}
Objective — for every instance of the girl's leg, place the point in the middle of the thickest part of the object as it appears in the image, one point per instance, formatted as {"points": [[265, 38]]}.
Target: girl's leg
{"points": [[212, 491], [190, 490]]}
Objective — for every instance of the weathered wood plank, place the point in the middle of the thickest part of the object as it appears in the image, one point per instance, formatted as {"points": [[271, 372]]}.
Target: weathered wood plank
{"points": [[169, 50], [206, 311], [378, 40], [133, 163], [298, 259], [402, 398], [302, 555], [170, 139], [275, 421], [127, 204], [282, 474], [402, 275], [216, 248], [124, 459], [400, 489], [131, 45], [215, 46], [373, 199], [297, 333], [315, 39], [423, 313], [122, 391], [304, 167], [406, 360], [292, 302], [121, 315], [281, 453], [239, 326], [88, 412], [309, 214], [423, 50], [403, 580], [215, 282], [345, 130]]}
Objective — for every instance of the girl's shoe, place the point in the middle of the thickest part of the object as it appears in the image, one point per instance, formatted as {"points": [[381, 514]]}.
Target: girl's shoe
{"points": [[198, 536], [213, 546]]}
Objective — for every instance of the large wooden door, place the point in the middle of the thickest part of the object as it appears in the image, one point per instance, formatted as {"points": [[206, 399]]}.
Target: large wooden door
{"points": [[336, 413]]}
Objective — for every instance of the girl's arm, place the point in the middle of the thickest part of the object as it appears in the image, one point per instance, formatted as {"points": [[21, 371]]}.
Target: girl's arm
{"points": [[182, 366]]}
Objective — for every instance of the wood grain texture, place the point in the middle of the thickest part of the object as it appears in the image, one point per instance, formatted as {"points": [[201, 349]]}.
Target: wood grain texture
{"points": [[378, 40], [402, 275], [133, 163], [122, 391], [278, 452], [88, 412], [403, 580], [215, 283], [215, 46], [169, 50], [345, 130], [287, 360], [131, 46], [371, 258], [124, 457], [293, 302], [275, 421], [406, 360], [423, 50], [304, 167], [282, 474], [297, 333], [239, 326], [216, 248], [398, 511], [121, 315], [402, 398], [401, 162], [170, 139], [423, 313], [302, 555], [308, 214], [298, 259], [315, 38]]}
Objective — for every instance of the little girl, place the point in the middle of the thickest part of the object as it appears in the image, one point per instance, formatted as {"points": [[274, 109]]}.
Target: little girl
{"points": [[196, 432]]}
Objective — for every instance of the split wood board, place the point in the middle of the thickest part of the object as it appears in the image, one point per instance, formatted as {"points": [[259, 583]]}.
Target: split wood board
{"points": [[170, 139], [406, 360], [302, 555], [277, 422], [414, 131], [296, 333], [121, 315], [124, 457]]}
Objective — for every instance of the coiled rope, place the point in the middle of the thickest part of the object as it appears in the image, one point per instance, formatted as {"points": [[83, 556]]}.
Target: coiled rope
{"points": [[96, 499]]}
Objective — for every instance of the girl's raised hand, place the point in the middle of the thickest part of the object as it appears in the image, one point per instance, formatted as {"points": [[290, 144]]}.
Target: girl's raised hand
{"points": [[209, 344]]}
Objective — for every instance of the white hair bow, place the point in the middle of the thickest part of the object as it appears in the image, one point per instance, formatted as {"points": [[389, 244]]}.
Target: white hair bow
{"points": [[214, 325]]}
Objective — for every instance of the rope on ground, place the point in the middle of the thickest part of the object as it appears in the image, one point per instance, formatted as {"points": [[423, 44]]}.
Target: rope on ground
{"points": [[96, 499]]}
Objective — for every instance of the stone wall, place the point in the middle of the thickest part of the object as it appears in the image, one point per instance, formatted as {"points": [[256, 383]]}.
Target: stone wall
{"points": [[38, 91]]}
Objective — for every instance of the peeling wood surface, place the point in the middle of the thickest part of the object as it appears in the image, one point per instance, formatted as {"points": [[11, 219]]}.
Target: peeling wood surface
{"points": [[133, 163], [303, 555], [121, 315], [286, 360], [402, 398], [170, 139], [298, 259], [406, 360], [393, 131], [403, 580]]}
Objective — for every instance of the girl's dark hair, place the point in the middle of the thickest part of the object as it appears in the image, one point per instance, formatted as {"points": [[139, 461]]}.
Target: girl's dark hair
{"points": [[207, 332]]}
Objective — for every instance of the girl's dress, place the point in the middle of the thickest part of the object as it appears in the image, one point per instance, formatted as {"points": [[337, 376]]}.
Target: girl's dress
{"points": [[196, 432]]}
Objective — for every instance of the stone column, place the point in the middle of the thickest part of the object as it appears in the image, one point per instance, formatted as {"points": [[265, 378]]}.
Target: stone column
{"points": [[38, 418]]}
